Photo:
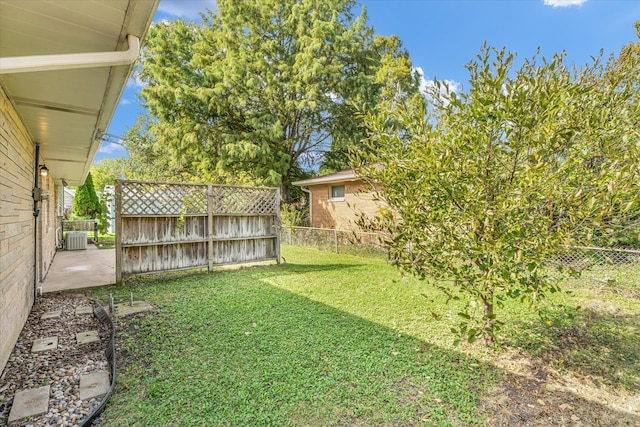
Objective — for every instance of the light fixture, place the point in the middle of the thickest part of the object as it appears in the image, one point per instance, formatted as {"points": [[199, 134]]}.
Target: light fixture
{"points": [[44, 171]]}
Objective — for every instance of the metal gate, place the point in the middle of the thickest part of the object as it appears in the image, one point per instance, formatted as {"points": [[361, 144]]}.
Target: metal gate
{"points": [[173, 226]]}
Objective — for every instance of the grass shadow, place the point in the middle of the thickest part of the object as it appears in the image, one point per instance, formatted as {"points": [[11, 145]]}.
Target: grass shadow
{"points": [[599, 345], [232, 349], [246, 353], [262, 269]]}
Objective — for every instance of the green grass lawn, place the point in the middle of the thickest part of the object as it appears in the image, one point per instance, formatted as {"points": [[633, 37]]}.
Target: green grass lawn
{"points": [[106, 241], [331, 339]]}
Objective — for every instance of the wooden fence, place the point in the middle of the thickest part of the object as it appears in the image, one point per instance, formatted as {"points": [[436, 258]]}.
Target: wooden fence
{"points": [[89, 225], [171, 226]]}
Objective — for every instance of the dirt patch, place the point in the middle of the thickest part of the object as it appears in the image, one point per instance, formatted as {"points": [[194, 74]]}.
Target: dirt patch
{"points": [[534, 394]]}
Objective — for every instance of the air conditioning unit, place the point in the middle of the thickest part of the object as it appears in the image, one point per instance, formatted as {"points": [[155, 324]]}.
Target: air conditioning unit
{"points": [[76, 240]]}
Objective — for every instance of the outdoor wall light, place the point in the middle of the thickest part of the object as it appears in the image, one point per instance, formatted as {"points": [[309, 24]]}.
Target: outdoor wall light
{"points": [[44, 171]]}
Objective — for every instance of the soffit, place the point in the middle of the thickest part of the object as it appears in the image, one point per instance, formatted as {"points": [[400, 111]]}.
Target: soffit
{"points": [[65, 111]]}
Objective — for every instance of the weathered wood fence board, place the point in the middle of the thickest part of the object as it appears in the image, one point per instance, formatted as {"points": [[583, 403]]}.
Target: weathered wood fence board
{"points": [[170, 226]]}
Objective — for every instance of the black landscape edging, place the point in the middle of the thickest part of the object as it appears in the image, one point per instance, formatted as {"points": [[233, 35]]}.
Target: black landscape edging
{"points": [[110, 352]]}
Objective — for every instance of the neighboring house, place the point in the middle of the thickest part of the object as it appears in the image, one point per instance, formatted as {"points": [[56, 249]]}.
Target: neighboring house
{"points": [[337, 200], [63, 67], [109, 196], [69, 194]]}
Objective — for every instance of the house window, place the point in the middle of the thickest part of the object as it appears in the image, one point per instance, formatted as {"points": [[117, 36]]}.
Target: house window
{"points": [[337, 192]]}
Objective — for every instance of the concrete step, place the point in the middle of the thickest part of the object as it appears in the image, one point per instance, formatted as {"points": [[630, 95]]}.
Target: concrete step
{"points": [[93, 385], [87, 337], [30, 402], [51, 315], [85, 309], [128, 308], [44, 344]]}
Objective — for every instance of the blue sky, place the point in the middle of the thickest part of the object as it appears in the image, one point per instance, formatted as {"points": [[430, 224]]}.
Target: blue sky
{"points": [[443, 35]]}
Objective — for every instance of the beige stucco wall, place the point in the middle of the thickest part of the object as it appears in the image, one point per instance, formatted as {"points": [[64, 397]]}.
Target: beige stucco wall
{"points": [[16, 226], [341, 214]]}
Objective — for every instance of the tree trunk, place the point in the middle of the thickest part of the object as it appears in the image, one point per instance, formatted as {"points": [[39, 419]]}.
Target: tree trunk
{"points": [[285, 193], [489, 316]]}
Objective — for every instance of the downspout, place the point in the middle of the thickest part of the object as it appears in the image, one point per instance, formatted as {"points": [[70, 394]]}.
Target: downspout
{"points": [[26, 64], [306, 190], [37, 196]]}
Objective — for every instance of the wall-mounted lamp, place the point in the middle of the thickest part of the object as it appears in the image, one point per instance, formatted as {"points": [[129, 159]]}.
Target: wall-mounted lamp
{"points": [[44, 171]]}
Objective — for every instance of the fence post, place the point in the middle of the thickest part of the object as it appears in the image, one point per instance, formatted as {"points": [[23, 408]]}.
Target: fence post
{"points": [[278, 221], [335, 238], [118, 232], [95, 231], [210, 226]]}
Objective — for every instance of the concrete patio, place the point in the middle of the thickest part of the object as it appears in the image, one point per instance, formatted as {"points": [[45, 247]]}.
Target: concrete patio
{"points": [[81, 269]]}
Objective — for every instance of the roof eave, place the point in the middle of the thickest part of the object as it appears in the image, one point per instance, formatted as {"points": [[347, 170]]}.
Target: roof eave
{"points": [[140, 23], [326, 180]]}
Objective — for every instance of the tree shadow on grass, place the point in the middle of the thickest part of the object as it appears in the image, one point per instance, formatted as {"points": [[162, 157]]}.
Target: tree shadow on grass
{"points": [[259, 355], [603, 347], [265, 270]]}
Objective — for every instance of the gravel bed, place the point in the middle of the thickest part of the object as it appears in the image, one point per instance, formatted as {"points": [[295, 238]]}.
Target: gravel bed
{"points": [[60, 368]]}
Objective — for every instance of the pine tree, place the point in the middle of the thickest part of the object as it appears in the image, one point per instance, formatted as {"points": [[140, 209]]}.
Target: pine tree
{"points": [[86, 202]]}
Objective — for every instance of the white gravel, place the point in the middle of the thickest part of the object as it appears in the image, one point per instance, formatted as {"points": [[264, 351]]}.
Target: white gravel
{"points": [[60, 368]]}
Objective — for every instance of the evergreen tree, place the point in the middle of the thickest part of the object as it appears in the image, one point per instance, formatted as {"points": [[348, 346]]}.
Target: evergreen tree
{"points": [[264, 87], [85, 201]]}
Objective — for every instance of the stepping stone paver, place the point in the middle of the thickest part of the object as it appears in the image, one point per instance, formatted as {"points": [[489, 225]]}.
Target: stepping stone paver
{"points": [[95, 384], [44, 344], [51, 314], [87, 337], [85, 309], [126, 309], [28, 403]]}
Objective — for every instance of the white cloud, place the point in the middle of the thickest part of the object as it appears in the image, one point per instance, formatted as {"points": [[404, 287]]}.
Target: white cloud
{"points": [[188, 9], [110, 148], [335, 97], [125, 102], [428, 86], [135, 81], [564, 3]]}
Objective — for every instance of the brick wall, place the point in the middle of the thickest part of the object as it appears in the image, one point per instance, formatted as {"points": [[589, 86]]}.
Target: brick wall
{"points": [[16, 226], [341, 214], [48, 222]]}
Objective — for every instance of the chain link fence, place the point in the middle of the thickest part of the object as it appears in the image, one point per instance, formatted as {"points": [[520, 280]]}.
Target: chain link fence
{"points": [[617, 269], [584, 258], [330, 240]]}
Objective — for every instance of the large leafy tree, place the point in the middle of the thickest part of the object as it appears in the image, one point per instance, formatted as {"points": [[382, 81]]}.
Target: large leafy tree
{"points": [[147, 160], [486, 186], [106, 171], [141, 163], [389, 75], [264, 85], [626, 233]]}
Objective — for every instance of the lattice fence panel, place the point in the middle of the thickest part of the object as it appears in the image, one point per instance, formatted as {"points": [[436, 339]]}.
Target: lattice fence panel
{"points": [[244, 200], [171, 226], [147, 198]]}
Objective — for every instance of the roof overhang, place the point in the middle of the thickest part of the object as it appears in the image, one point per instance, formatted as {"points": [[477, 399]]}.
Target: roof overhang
{"points": [[344, 176], [67, 108]]}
